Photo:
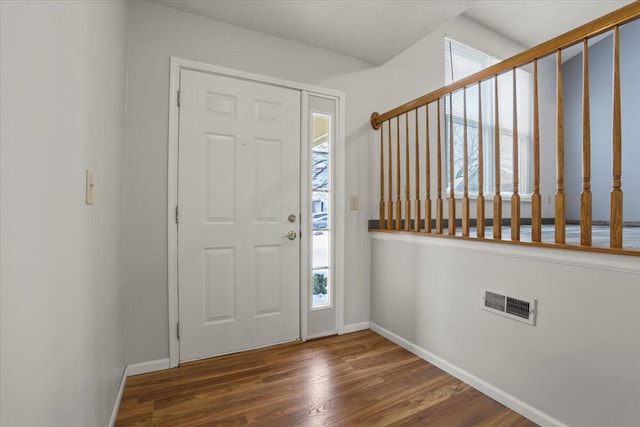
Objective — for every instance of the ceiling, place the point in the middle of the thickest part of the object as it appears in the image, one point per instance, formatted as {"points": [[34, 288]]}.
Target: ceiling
{"points": [[533, 22], [377, 30]]}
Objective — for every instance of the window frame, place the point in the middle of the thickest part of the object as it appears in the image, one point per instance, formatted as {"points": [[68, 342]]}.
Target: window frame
{"points": [[525, 125], [329, 196]]}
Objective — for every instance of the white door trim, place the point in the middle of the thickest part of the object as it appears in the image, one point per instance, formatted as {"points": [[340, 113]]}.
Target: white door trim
{"points": [[178, 64], [305, 227]]}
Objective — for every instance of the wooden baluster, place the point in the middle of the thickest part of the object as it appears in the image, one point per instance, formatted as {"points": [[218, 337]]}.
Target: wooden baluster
{"points": [[536, 198], [427, 207], [515, 196], [560, 211], [439, 201], [390, 188], [407, 187], [497, 198], [585, 196], [398, 202], [465, 167], [382, 224], [416, 224], [480, 199], [452, 196], [616, 191]]}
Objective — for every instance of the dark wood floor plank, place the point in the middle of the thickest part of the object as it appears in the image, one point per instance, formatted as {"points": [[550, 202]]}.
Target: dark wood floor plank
{"points": [[355, 379]]}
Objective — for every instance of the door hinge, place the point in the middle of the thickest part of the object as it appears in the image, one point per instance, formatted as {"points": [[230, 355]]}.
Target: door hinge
{"points": [[177, 214], [178, 329], [178, 98]]}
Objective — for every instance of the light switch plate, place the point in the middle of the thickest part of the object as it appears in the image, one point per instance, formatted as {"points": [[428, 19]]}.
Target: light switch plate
{"points": [[90, 187], [354, 203]]}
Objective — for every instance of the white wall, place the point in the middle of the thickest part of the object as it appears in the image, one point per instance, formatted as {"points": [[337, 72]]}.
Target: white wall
{"points": [[579, 365], [420, 68], [62, 79], [157, 33]]}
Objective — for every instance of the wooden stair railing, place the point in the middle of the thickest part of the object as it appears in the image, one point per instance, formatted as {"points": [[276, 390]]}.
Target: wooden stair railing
{"points": [[497, 198], [480, 198], [616, 192], [421, 219], [560, 205], [536, 197]]}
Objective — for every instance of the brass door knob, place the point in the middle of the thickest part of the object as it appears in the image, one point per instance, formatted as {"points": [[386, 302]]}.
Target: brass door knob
{"points": [[290, 235]]}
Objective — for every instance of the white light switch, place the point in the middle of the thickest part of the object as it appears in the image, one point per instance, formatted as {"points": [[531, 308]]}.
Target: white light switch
{"points": [[90, 188], [354, 203]]}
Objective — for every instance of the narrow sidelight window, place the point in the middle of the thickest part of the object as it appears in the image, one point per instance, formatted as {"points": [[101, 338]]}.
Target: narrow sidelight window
{"points": [[321, 286]]}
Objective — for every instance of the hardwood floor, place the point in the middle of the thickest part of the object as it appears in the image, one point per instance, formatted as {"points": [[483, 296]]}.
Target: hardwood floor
{"points": [[354, 379]]}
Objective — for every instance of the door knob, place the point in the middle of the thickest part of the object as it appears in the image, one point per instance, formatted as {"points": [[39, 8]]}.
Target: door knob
{"points": [[290, 235]]}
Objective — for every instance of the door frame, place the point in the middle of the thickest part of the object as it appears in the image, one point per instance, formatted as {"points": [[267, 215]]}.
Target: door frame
{"points": [[339, 197]]}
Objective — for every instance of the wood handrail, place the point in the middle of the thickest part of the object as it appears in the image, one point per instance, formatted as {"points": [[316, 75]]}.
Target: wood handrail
{"points": [[591, 29], [460, 152]]}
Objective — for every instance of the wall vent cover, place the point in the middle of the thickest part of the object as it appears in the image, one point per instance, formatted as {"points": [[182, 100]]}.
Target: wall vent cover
{"points": [[516, 308]]}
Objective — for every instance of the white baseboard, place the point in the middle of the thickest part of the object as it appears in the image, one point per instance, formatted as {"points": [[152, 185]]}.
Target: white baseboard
{"points": [[135, 369], [146, 367], [490, 390], [355, 327], [116, 404]]}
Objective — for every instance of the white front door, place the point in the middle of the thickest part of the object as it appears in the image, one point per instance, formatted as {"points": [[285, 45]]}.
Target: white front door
{"points": [[238, 183]]}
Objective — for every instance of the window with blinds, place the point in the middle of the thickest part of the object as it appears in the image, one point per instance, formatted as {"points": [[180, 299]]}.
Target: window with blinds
{"points": [[462, 61]]}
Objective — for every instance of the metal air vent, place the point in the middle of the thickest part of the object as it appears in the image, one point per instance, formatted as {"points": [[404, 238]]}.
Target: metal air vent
{"points": [[516, 308]]}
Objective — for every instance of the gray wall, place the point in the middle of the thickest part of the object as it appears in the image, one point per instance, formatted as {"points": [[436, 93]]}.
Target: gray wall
{"points": [[600, 85], [62, 79], [420, 69], [157, 33], [579, 365]]}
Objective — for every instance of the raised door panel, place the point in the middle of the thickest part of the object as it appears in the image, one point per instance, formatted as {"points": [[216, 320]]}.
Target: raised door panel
{"points": [[267, 280], [220, 285], [239, 179], [268, 180], [219, 188]]}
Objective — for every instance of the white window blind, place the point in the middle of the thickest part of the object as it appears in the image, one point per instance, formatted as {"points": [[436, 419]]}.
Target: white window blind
{"points": [[462, 61]]}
